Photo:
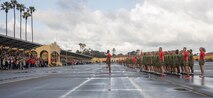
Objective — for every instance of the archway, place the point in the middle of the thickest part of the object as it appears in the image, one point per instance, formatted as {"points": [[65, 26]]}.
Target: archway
{"points": [[34, 54], [54, 58], [44, 57]]}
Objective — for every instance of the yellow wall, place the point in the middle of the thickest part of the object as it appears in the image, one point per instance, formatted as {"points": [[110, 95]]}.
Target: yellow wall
{"points": [[206, 57], [118, 58], [209, 57], [94, 60], [50, 49], [104, 59]]}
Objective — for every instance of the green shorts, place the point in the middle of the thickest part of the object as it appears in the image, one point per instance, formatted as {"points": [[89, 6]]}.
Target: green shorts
{"points": [[201, 62], [191, 64], [177, 63], [181, 63], [161, 63], [166, 64], [185, 63], [157, 64], [154, 64], [171, 64], [174, 64]]}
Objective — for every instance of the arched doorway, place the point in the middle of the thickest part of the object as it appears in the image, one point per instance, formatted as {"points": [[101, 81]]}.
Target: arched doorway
{"points": [[34, 54], [44, 57], [54, 58]]}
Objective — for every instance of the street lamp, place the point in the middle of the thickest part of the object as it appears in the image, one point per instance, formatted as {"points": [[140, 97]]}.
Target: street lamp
{"points": [[66, 55]]}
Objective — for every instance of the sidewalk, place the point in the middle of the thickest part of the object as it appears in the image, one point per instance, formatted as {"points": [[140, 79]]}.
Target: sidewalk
{"points": [[195, 83], [7, 76]]}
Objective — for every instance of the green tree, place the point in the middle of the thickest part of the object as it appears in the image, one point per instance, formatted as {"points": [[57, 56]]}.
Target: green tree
{"points": [[13, 6], [77, 51], [26, 14], [86, 52], [31, 10], [21, 8], [132, 53], [6, 7]]}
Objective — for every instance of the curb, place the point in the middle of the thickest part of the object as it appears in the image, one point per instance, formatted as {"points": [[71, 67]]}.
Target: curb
{"points": [[191, 88], [17, 79], [194, 88]]}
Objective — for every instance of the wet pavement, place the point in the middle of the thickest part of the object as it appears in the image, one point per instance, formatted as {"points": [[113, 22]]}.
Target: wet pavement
{"points": [[93, 81], [18, 75]]}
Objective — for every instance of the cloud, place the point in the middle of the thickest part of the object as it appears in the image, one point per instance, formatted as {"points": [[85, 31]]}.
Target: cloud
{"points": [[72, 5], [171, 24], [2, 30]]}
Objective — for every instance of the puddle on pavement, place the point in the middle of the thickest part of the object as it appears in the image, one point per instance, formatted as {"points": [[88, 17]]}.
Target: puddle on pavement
{"points": [[23, 72], [180, 89]]}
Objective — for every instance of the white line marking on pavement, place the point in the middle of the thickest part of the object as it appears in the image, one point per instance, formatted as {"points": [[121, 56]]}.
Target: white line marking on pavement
{"points": [[134, 84], [72, 90], [138, 88], [125, 89]]}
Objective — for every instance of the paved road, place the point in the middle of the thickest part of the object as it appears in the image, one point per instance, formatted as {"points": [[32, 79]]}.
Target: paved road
{"points": [[208, 69], [93, 81]]}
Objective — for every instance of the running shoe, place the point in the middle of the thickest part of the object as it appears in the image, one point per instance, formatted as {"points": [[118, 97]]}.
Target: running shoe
{"points": [[187, 77]]}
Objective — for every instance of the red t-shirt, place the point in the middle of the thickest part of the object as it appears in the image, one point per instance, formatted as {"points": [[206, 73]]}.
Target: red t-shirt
{"points": [[141, 53], [202, 55], [33, 61], [134, 60], [186, 54], [161, 55], [29, 61], [108, 55]]}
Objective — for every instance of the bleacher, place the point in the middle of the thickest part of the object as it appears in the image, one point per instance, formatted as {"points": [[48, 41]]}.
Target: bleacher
{"points": [[13, 54]]}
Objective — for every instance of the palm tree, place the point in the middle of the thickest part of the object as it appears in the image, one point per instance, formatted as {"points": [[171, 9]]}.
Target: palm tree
{"points": [[26, 14], [113, 51], [80, 44], [6, 7], [31, 10], [21, 8], [90, 51], [13, 6], [138, 51], [83, 46]]}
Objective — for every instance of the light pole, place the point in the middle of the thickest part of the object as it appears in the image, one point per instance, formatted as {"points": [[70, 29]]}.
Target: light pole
{"points": [[66, 55], [66, 58]]}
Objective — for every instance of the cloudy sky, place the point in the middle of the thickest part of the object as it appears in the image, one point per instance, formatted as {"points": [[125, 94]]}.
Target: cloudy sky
{"points": [[122, 24]]}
